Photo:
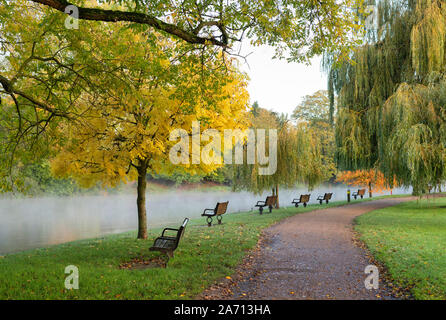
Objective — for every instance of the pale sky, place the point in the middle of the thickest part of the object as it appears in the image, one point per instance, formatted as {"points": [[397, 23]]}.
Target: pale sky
{"points": [[278, 85]]}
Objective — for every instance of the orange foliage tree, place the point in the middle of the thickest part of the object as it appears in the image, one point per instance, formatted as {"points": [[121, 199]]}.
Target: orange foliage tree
{"points": [[374, 180]]}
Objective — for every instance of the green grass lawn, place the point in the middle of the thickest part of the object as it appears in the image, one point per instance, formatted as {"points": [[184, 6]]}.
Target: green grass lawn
{"points": [[410, 240], [204, 255]]}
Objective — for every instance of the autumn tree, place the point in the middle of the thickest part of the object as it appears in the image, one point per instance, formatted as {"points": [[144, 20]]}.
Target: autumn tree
{"points": [[125, 134], [373, 180], [101, 111], [391, 97]]}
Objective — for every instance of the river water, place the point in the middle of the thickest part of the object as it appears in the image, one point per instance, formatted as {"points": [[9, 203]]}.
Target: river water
{"points": [[27, 223]]}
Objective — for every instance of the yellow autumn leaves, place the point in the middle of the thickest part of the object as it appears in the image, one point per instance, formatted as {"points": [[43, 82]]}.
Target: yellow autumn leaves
{"points": [[142, 101]]}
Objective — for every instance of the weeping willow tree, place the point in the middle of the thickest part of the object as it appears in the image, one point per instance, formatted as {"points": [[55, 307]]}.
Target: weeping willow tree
{"points": [[298, 157], [391, 95]]}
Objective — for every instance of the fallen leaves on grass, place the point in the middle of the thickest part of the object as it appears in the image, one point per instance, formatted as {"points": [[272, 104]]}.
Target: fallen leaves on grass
{"points": [[138, 263]]}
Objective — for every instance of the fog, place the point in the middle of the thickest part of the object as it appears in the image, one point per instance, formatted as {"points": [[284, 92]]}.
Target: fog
{"points": [[39, 222]]}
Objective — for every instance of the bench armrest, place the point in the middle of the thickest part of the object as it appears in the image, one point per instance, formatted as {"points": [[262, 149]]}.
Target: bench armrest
{"points": [[260, 203], [320, 198], [295, 200], [169, 229]]}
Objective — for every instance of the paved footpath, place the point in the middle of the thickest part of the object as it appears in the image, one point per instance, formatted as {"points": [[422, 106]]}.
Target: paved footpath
{"points": [[309, 256]]}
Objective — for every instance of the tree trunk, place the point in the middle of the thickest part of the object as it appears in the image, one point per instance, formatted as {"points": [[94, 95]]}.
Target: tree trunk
{"points": [[141, 202], [277, 194], [370, 189]]}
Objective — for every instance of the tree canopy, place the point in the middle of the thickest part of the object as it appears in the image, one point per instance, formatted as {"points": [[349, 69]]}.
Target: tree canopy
{"points": [[301, 29], [50, 73], [314, 108]]}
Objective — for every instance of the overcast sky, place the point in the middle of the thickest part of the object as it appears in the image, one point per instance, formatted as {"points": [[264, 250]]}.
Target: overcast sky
{"points": [[278, 85]]}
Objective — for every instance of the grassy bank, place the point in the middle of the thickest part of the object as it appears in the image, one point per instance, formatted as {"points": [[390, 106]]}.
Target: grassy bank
{"points": [[410, 240], [205, 255]]}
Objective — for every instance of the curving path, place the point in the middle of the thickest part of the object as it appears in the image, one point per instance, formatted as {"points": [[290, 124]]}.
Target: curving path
{"points": [[308, 256]]}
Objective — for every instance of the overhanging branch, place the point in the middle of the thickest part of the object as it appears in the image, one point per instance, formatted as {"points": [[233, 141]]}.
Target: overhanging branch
{"points": [[96, 14], [9, 88]]}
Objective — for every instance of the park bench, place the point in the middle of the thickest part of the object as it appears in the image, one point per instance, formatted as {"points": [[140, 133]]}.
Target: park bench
{"points": [[269, 202], [304, 199], [325, 198], [359, 193], [168, 244], [220, 209]]}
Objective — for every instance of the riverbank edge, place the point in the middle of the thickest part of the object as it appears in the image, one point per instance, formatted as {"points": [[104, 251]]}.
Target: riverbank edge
{"points": [[196, 221]]}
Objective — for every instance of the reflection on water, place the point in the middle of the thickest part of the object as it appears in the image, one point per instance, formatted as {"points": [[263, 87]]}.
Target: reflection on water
{"points": [[39, 222]]}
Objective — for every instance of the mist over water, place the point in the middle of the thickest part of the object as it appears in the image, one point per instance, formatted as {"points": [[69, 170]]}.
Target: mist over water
{"points": [[40, 222]]}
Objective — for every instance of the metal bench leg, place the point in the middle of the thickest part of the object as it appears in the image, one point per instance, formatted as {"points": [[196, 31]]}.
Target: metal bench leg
{"points": [[167, 255], [209, 221], [296, 205], [320, 201], [305, 204], [261, 210], [270, 209], [219, 219], [326, 201]]}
